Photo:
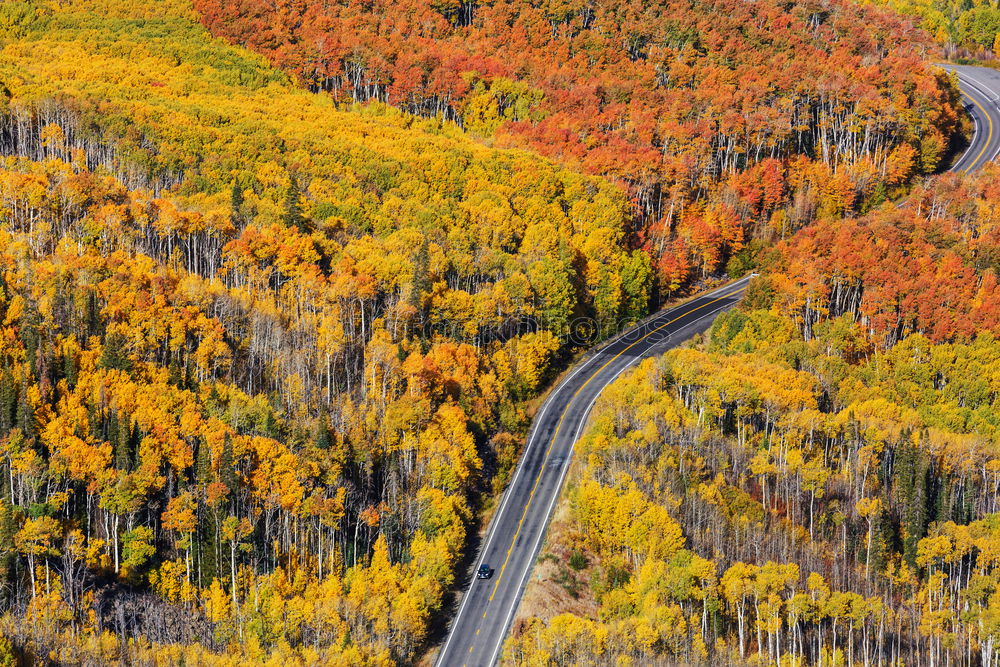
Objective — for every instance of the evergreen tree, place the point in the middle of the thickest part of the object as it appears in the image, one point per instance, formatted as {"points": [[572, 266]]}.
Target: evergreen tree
{"points": [[174, 375], [293, 206], [227, 466], [95, 326], [71, 369], [236, 206], [8, 561], [114, 353], [26, 420], [112, 435], [207, 545], [30, 321], [322, 438], [911, 492], [8, 402], [421, 281], [126, 445], [270, 427], [203, 463]]}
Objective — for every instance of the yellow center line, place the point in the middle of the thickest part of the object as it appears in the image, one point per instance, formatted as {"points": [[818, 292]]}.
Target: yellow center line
{"points": [[562, 417], [989, 136]]}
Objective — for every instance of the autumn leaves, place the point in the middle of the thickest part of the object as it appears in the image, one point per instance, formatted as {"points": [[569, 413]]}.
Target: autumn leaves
{"points": [[725, 122], [271, 398], [262, 358], [830, 447]]}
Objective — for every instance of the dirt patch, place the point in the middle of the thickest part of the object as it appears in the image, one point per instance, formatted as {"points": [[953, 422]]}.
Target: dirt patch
{"points": [[558, 583]]}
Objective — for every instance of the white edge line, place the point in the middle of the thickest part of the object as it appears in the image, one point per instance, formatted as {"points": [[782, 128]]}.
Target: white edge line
{"points": [[989, 99], [975, 135], [490, 532]]}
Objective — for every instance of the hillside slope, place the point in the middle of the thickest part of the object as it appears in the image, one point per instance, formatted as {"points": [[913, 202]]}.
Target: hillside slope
{"points": [[260, 356], [727, 121], [816, 481]]}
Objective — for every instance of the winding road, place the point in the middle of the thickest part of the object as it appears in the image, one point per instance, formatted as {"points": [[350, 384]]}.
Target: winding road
{"points": [[981, 94], [514, 537]]}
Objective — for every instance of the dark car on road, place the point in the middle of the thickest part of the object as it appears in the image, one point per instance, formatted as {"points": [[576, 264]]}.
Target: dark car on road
{"points": [[484, 572]]}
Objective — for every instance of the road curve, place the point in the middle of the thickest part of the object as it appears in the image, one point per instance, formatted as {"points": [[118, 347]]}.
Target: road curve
{"points": [[477, 632], [981, 93]]}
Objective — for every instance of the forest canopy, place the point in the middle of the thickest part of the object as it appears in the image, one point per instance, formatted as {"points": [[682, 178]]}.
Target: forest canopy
{"points": [[273, 319], [725, 120], [260, 357], [968, 27]]}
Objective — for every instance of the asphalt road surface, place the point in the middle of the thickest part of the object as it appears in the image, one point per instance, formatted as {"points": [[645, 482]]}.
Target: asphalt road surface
{"points": [[476, 635], [981, 94], [515, 535]]}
